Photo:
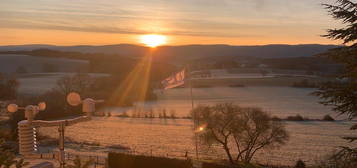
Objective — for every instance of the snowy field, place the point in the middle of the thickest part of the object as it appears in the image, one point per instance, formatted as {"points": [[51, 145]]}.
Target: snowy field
{"points": [[39, 83], [309, 141], [10, 63]]}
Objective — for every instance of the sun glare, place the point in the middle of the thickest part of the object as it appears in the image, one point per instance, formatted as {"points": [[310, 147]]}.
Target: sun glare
{"points": [[153, 40]]}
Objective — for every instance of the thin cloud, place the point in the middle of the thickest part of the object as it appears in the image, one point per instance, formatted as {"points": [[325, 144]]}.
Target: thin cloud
{"points": [[116, 30]]}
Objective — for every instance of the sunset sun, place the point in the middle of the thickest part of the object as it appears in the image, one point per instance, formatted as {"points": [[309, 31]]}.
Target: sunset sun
{"points": [[153, 40]]}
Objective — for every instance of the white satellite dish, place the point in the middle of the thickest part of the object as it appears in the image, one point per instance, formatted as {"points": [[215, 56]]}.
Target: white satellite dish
{"points": [[74, 99], [12, 108]]}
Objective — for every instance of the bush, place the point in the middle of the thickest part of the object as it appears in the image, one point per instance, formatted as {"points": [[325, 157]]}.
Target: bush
{"points": [[12, 122], [57, 107], [8, 158], [173, 114], [275, 118], [21, 70], [328, 118], [79, 163], [345, 158], [8, 88], [124, 115], [298, 117], [300, 164]]}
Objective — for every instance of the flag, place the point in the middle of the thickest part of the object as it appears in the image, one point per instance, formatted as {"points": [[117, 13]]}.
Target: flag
{"points": [[174, 80]]}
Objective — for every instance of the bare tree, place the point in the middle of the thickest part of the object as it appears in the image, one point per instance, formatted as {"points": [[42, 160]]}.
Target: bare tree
{"points": [[8, 88], [56, 98], [240, 131], [80, 83]]}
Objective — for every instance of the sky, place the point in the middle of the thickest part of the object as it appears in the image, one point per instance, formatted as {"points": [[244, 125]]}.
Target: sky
{"points": [[100, 22]]}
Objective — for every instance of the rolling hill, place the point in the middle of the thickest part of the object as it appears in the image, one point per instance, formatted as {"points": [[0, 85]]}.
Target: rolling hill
{"points": [[189, 52]]}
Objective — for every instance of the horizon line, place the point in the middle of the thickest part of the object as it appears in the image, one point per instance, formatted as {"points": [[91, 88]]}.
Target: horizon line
{"points": [[141, 45]]}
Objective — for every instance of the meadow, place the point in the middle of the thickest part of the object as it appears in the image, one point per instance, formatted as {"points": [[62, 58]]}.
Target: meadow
{"points": [[309, 140]]}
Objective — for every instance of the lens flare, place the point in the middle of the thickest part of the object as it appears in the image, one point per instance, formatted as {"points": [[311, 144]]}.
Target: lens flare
{"points": [[135, 85]]}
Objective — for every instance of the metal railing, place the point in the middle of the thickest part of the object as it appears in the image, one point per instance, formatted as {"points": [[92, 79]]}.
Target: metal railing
{"points": [[98, 161]]}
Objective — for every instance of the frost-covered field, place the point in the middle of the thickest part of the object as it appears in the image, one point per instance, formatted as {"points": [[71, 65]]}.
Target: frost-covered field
{"points": [[39, 83], [32, 78], [10, 63], [309, 141]]}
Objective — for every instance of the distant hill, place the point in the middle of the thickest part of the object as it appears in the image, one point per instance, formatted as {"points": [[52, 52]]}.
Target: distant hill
{"points": [[190, 52], [28, 47]]}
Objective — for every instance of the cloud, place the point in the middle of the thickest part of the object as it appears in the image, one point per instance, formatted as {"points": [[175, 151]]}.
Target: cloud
{"points": [[116, 30], [211, 18], [260, 4]]}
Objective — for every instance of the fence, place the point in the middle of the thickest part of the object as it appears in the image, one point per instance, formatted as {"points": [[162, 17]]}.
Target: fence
{"points": [[98, 161], [102, 160]]}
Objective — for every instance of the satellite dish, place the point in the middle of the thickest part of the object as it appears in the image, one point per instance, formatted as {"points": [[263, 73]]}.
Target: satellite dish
{"points": [[41, 106], [74, 99], [12, 108]]}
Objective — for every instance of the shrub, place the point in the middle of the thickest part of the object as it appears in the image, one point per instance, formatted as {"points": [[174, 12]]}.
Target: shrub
{"points": [[8, 158], [300, 164], [21, 70], [79, 163], [173, 114], [8, 88], [164, 114], [328, 118], [124, 115], [345, 158], [275, 118], [298, 117]]}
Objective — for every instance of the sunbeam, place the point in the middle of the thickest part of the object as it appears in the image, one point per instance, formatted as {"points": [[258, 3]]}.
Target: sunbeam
{"points": [[136, 83]]}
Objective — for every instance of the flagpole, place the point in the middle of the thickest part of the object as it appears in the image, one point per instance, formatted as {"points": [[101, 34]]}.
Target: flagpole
{"points": [[189, 71], [192, 106]]}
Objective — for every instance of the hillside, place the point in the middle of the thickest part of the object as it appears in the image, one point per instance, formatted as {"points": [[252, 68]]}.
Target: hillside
{"points": [[188, 52], [114, 64]]}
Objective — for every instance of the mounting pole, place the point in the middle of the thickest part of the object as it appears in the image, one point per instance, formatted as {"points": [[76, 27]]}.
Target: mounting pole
{"points": [[61, 156], [192, 106]]}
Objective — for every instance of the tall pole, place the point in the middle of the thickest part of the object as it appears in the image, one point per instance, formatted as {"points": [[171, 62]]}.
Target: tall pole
{"points": [[192, 106], [61, 145], [189, 72]]}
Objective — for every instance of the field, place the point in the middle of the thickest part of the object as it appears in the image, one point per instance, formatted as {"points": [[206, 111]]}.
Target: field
{"points": [[309, 141], [11, 63], [256, 81]]}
